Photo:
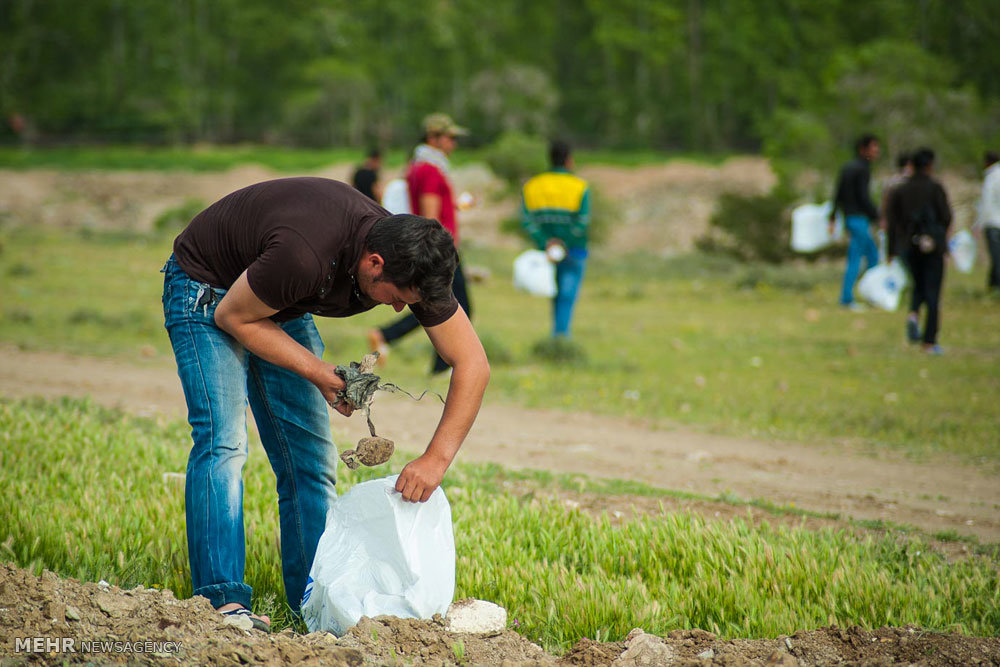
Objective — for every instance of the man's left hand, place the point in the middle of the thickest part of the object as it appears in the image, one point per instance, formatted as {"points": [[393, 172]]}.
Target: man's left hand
{"points": [[420, 477]]}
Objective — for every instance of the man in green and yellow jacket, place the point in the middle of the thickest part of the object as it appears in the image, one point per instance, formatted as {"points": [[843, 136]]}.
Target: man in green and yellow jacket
{"points": [[556, 215]]}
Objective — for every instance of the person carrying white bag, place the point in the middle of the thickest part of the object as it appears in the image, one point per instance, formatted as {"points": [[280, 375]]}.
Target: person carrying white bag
{"points": [[919, 215]]}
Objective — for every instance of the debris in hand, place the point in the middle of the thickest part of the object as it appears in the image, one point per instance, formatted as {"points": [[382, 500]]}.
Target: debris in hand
{"points": [[360, 387]]}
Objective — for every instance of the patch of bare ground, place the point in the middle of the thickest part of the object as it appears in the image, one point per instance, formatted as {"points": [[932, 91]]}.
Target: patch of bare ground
{"points": [[144, 626]]}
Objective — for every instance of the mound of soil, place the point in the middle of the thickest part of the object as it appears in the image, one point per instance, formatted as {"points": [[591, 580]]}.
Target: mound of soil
{"points": [[152, 626]]}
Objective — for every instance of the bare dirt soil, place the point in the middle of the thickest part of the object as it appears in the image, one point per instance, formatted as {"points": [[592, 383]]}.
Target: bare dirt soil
{"points": [[939, 494], [151, 626], [661, 208]]}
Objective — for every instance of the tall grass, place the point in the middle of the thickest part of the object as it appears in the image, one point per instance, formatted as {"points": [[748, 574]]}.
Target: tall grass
{"points": [[84, 494]]}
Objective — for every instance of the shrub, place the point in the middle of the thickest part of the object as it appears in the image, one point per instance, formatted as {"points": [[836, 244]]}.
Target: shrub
{"points": [[515, 157], [177, 217], [559, 351], [751, 227]]}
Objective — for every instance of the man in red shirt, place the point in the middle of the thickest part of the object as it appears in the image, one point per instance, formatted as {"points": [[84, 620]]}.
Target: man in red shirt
{"points": [[431, 196]]}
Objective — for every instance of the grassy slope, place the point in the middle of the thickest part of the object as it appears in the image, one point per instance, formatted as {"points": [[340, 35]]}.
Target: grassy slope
{"points": [[212, 158], [743, 350], [84, 495]]}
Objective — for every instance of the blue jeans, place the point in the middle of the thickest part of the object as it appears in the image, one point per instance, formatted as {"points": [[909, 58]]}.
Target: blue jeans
{"points": [[219, 377], [569, 275], [861, 245]]}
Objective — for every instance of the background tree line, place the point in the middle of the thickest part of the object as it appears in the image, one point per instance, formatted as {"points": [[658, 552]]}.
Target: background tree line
{"points": [[793, 77]]}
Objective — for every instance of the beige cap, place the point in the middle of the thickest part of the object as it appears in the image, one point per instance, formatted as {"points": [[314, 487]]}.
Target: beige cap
{"points": [[440, 123]]}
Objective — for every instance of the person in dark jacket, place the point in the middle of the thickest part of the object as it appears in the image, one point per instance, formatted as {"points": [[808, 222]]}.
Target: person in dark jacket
{"points": [[853, 198], [919, 216]]}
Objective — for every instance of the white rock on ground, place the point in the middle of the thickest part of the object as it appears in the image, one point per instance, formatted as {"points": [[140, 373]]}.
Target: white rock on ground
{"points": [[475, 616]]}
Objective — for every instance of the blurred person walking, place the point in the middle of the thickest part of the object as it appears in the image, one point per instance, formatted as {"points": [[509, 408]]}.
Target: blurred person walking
{"points": [[556, 215], [920, 214], [365, 179], [852, 196], [431, 196], [988, 218], [904, 169]]}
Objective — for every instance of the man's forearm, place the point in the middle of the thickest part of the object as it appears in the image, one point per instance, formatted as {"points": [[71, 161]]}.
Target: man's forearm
{"points": [[268, 341], [465, 396]]}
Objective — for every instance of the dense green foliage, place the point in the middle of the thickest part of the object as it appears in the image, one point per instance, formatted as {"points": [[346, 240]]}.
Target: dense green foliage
{"points": [[690, 74], [86, 495]]}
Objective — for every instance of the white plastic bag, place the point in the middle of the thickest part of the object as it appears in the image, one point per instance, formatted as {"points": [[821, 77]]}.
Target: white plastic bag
{"points": [[811, 227], [396, 197], [962, 248], [883, 284], [380, 555], [535, 274]]}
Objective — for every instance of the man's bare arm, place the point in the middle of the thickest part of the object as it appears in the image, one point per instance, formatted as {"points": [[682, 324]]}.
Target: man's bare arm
{"points": [[244, 316], [457, 343], [430, 206]]}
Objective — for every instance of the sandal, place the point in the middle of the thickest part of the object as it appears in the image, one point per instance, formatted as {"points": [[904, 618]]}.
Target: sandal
{"points": [[258, 622]]}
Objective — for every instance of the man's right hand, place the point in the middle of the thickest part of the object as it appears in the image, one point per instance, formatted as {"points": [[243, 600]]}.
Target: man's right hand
{"points": [[330, 384]]}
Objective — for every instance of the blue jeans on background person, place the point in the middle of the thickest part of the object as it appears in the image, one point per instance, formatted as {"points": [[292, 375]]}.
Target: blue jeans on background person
{"points": [[569, 275], [219, 377], [861, 245]]}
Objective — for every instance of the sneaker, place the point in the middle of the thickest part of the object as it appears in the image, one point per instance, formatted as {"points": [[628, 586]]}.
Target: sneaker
{"points": [[912, 330], [855, 307], [934, 350]]}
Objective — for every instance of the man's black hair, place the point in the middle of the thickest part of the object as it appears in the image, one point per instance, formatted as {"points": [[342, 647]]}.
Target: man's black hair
{"points": [[864, 141], [559, 152], [418, 253], [923, 158], [903, 159], [991, 158]]}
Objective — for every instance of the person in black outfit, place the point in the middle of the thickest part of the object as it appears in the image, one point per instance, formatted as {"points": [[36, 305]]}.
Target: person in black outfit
{"points": [[853, 198], [919, 216], [365, 178]]}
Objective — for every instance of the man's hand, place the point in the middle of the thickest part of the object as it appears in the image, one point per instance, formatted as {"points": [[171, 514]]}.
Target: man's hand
{"points": [[420, 477], [329, 384]]}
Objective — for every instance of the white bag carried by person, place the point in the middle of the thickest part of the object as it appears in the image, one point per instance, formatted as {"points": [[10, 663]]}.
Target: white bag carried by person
{"points": [[883, 284], [962, 248], [380, 555], [396, 197], [535, 273], [811, 227]]}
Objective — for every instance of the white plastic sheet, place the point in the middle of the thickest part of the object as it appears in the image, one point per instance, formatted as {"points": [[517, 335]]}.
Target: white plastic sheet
{"points": [[962, 248], [811, 227], [381, 555], [396, 197], [883, 284], [535, 274]]}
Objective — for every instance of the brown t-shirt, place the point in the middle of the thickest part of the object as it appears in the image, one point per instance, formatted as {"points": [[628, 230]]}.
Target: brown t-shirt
{"points": [[299, 240]]}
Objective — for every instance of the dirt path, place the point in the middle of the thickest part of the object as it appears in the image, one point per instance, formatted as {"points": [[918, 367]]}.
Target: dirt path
{"points": [[942, 494]]}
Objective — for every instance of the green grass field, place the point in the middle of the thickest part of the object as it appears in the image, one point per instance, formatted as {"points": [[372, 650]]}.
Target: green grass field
{"points": [[85, 496], [738, 349], [211, 158]]}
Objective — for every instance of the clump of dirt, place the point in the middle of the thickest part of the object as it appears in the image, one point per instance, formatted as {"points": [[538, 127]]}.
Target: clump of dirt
{"points": [[370, 452], [387, 638], [152, 626]]}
